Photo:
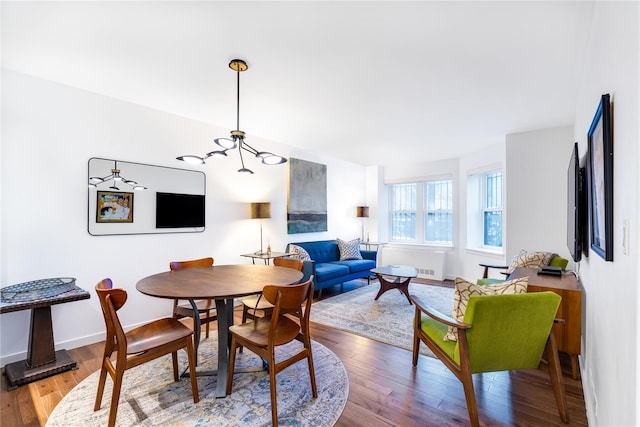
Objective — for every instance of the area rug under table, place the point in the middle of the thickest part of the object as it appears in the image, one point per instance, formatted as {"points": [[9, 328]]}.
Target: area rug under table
{"points": [[150, 397], [388, 320]]}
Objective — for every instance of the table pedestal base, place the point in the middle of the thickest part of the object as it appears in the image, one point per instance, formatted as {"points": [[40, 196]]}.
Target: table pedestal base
{"points": [[400, 283], [18, 373]]}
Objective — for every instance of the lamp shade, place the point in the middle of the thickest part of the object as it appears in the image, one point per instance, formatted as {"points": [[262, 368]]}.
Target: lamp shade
{"points": [[260, 210], [362, 211]]}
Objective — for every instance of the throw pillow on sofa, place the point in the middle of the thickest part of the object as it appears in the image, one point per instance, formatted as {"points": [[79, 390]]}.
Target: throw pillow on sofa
{"points": [[298, 252], [350, 249], [465, 290]]}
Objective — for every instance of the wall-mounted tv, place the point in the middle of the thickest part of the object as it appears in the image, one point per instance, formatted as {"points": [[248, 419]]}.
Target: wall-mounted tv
{"points": [[576, 206], [179, 210]]}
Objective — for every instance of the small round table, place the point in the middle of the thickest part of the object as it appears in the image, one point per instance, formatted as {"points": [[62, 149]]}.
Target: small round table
{"points": [[221, 283], [401, 274]]}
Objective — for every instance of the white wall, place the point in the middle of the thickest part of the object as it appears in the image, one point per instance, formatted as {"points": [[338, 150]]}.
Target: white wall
{"points": [[609, 362], [49, 133], [536, 181]]}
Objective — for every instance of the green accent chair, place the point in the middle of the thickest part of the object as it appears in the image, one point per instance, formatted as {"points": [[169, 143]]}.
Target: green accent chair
{"points": [[556, 261], [498, 333]]}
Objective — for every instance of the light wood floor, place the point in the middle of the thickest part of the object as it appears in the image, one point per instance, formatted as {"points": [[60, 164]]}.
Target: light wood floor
{"points": [[385, 389]]}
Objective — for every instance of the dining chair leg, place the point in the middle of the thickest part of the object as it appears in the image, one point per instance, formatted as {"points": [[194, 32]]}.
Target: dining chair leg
{"points": [[192, 370], [101, 383], [272, 383], [312, 374], [174, 363], [115, 397], [206, 334]]}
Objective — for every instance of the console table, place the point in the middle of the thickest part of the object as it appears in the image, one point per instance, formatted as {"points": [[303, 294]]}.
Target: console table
{"points": [[38, 296], [567, 334]]}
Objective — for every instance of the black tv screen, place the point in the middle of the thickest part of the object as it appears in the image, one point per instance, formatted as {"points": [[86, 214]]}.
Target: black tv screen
{"points": [[576, 206], [179, 210]]}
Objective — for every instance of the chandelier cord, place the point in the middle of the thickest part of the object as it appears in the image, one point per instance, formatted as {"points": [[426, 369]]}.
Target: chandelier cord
{"points": [[238, 102]]}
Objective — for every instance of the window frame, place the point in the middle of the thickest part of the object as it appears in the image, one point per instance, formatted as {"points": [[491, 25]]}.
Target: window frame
{"points": [[477, 207], [421, 211]]}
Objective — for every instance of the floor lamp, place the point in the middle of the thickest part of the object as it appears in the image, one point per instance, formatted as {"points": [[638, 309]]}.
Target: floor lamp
{"points": [[260, 211], [362, 212]]}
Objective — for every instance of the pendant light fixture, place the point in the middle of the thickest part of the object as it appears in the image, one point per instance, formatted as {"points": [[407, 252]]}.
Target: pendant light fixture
{"points": [[237, 136], [94, 181]]}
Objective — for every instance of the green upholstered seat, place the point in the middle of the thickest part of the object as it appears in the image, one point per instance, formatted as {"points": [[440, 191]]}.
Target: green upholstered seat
{"points": [[499, 332]]}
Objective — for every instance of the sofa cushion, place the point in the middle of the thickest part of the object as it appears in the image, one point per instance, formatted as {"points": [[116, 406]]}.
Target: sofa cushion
{"points": [[356, 265], [465, 290], [349, 249], [329, 270], [298, 252]]}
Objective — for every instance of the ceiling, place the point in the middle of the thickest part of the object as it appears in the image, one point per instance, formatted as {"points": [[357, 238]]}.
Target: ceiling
{"points": [[376, 83]]}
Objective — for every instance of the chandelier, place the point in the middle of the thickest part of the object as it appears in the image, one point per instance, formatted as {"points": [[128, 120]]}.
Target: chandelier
{"points": [[237, 136], [94, 181]]}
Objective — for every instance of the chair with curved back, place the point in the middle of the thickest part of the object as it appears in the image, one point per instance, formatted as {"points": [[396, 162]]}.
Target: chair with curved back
{"points": [[205, 307], [264, 334], [498, 333], [256, 302], [138, 346]]}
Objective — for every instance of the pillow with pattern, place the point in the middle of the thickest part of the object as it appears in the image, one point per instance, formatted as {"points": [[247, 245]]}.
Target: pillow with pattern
{"points": [[350, 249], [298, 252], [465, 290], [530, 260]]}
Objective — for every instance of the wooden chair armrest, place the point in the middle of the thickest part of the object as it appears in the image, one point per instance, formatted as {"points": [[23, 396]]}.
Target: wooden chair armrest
{"points": [[485, 273], [502, 267], [436, 315]]}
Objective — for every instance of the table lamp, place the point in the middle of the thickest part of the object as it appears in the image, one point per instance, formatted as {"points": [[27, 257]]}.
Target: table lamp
{"points": [[362, 212], [261, 210]]}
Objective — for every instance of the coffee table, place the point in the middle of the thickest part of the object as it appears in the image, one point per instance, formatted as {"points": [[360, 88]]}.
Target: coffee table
{"points": [[401, 275]]}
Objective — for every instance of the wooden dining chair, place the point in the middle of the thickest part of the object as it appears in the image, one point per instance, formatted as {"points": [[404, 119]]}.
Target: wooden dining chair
{"points": [[138, 346], [254, 303], [264, 334], [205, 307]]}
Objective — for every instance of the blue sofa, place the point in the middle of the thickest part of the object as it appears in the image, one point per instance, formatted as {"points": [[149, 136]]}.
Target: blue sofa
{"points": [[326, 267]]}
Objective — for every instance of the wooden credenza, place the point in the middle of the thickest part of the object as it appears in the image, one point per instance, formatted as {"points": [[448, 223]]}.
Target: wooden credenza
{"points": [[567, 334]]}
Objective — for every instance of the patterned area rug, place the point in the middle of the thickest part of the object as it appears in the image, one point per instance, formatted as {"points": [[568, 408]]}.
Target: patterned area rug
{"points": [[388, 319], [150, 397]]}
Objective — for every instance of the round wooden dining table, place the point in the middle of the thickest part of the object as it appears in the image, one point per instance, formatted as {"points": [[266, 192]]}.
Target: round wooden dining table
{"points": [[221, 283]]}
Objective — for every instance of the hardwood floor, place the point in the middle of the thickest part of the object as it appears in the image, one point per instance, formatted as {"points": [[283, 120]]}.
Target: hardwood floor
{"points": [[385, 389]]}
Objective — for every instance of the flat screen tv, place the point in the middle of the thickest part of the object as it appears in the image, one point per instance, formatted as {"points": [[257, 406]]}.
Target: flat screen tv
{"points": [[576, 206], [179, 210]]}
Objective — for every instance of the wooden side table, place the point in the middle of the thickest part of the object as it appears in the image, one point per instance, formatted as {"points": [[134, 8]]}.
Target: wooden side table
{"points": [[568, 334], [38, 296]]}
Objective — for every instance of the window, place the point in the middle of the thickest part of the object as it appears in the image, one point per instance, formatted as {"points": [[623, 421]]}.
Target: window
{"points": [[484, 210], [493, 209], [422, 212], [403, 211]]}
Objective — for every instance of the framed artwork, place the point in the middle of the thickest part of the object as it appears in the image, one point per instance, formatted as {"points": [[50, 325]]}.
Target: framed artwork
{"points": [[600, 168], [114, 207], [307, 207]]}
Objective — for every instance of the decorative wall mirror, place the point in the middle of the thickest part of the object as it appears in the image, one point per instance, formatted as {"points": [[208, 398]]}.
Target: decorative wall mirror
{"points": [[135, 198]]}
